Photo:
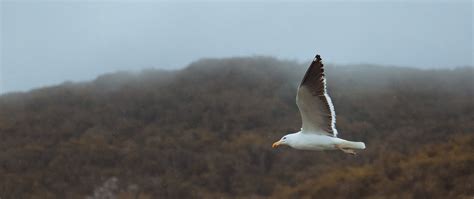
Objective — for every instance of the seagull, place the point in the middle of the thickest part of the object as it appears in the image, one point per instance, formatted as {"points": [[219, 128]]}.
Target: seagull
{"points": [[318, 130]]}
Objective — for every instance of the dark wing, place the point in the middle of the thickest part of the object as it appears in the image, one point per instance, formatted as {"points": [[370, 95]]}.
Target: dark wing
{"points": [[315, 105]]}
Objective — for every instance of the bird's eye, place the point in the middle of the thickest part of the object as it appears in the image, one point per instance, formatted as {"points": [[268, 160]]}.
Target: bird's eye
{"points": [[284, 138]]}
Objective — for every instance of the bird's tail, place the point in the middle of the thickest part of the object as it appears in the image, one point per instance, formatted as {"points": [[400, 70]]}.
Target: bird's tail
{"points": [[353, 145]]}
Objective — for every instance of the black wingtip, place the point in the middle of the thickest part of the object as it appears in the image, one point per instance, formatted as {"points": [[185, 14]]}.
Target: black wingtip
{"points": [[317, 58]]}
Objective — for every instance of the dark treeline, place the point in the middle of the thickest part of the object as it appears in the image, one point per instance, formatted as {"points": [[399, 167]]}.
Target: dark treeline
{"points": [[206, 132]]}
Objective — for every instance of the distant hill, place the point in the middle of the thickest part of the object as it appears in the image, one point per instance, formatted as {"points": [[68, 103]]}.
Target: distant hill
{"points": [[206, 132]]}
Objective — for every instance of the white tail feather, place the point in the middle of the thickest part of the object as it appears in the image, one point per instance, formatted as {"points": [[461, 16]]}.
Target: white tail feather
{"points": [[354, 145]]}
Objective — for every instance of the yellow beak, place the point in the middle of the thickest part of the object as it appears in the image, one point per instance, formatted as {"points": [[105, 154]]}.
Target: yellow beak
{"points": [[276, 144]]}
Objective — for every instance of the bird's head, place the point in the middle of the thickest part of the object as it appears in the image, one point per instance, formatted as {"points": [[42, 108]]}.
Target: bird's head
{"points": [[285, 140]]}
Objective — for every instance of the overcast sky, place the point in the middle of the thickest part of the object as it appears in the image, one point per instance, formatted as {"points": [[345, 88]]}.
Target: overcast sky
{"points": [[48, 42]]}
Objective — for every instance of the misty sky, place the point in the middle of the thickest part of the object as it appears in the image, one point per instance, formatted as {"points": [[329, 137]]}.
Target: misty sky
{"points": [[49, 42]]}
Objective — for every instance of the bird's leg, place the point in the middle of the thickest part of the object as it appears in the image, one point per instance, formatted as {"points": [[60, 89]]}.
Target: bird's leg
{"points": [[349, 151]]}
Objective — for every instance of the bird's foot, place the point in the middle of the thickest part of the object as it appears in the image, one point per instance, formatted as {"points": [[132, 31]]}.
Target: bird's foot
{"points": [[349, 151]]}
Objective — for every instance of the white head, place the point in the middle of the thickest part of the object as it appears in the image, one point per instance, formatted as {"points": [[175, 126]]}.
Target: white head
{"points": [[285, 140]]}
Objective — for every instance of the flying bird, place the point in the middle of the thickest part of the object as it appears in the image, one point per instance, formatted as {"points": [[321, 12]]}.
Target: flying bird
{"points": [[318, 130]]}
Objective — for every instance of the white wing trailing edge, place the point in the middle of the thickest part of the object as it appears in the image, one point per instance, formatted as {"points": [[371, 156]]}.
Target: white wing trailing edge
{"points": [[315, 105]]}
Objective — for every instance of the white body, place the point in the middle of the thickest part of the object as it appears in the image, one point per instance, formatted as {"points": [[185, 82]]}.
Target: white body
{"points": [[319, 142]]}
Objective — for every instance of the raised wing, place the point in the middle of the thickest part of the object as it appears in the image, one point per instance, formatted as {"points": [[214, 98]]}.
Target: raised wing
{"points": [[315, 105]]}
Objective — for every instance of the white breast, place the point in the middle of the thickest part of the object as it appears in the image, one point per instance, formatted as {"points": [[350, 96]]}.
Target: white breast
{"points": [[306, 141]]}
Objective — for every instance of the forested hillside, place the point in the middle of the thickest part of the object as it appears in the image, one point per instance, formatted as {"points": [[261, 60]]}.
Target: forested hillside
{"points": [[206, 132]]}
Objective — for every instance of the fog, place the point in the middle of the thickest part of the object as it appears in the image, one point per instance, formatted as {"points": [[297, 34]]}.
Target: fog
{"points": [[45, 43]]}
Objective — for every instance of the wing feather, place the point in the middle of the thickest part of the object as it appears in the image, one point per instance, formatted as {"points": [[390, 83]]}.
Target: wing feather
{"points": [[315, 105]]}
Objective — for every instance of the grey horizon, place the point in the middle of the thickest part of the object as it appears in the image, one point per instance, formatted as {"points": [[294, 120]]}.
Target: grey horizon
{"points": [[46, 43]]}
